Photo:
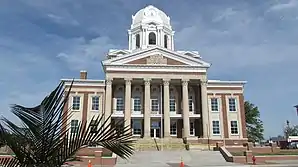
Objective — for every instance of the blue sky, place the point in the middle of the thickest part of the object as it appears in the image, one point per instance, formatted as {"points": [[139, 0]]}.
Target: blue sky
{"points": [[42, 41]]}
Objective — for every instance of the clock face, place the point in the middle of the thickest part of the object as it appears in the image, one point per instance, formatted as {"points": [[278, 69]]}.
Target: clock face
{"points": [[150, 12]]}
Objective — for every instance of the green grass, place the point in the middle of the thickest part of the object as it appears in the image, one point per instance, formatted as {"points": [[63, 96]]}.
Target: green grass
{"points": [[6, 154]]}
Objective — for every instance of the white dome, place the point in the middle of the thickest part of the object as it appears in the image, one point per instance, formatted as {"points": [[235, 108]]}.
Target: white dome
{"points": [[150, 14]]}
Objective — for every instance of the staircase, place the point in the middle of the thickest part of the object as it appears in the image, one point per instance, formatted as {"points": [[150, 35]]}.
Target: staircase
{"points": [[159, 144]]}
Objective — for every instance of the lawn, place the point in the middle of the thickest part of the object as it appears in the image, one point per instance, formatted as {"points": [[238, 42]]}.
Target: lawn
{"points": [[282, 152]]}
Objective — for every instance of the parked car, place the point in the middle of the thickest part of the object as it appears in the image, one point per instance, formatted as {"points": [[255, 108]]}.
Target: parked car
{"points": [[293, 145]]}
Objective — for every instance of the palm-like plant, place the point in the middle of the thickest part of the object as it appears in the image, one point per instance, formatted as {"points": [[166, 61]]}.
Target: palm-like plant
{"points": [[43, 140]]}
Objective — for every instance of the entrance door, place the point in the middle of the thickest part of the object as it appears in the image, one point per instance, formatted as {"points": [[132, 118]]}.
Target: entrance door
{"points": [[155, 129]]}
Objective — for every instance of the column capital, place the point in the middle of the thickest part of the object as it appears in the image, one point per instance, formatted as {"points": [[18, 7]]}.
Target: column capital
{"points": [[166, 82], [109, 81], [127, 81], [147, 81], [185, 82], [204, 82]]}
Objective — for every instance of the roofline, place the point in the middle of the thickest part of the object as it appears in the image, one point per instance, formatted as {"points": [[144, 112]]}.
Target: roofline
{"points": [[82, 80], [152, 48], [155, 65], [226, 82]]}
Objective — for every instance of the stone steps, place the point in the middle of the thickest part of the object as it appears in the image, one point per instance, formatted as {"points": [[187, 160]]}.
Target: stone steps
{"points": [[159, 144]]}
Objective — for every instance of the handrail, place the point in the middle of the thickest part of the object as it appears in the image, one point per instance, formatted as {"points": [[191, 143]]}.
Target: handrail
{"points": [[156, 144]]}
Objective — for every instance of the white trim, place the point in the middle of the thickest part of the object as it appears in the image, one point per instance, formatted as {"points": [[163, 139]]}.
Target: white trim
{"points": [[154, 69], [194, 127], [156, 50], [230, 129], [218, 103], [81, 96], [90, 96], [226, 82], [173, 121], [81, 82], [218, 128]]}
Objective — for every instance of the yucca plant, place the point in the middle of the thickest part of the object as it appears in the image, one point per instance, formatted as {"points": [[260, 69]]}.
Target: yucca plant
{"points": [[43, 140]]}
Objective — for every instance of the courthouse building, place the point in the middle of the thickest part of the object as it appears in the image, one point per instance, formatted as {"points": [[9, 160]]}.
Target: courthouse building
{"points": [[160, 92]]}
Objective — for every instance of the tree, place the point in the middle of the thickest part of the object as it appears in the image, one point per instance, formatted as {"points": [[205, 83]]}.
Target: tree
{"points": [[291, 131], [254, 125], [43, 140]]}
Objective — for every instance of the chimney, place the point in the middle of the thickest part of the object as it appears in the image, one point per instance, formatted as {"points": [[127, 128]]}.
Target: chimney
{"points": [[83, 74]]}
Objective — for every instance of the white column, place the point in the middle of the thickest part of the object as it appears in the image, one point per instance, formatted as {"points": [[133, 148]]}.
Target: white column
{"points": [[172, 39], [147, 107], [108, 100], [127, 113], [166, 102], [185, 114], [205, 117], [129, 40], [157, 36]]}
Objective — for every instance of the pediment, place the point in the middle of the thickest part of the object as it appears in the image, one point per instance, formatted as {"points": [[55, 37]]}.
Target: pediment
{"points": [[155, 59], [156, 56]]}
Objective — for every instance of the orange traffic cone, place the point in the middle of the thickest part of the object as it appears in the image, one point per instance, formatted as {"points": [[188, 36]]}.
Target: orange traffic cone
{"points": [[181, 163], [89, 163]]}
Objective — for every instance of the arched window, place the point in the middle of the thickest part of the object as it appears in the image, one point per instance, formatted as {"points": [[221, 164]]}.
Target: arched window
{"points": [[165, 40], [152, 38], [138, 41]]}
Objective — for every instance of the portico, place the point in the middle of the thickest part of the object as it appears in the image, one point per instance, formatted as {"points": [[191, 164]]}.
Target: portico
{"points": [[156, 107]]}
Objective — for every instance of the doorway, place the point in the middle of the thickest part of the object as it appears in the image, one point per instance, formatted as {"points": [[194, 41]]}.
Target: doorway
{"points": [[155, 129]]}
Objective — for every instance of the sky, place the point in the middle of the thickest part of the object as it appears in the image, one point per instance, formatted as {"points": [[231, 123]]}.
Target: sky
{"points": [[42, 41]]}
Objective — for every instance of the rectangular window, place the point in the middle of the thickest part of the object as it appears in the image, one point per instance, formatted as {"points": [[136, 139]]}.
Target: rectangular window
{"points": [[232, 104], [119, 104], [74, 126], [154, 105], [192, 128], [173, 128], [214, 104], [172, 104], [76, 101], [234, 127], [95, 103], [190, 104], [137, 104], [215, 127], [137, 128], [93, 127]]}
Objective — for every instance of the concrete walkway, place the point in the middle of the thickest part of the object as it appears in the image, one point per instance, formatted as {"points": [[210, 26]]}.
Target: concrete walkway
{"points": [[172, 159]]}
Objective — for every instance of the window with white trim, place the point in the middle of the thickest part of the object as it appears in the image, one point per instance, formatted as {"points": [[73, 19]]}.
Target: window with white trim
{"points": [[192, 128], [173, 128], [190, 103], [93, 127], [232, 104], [76, 102], [119, 104], [154, 105], [214, 104], [172, 104], [215, 127], [95, 103], [74, 126], [137, 104], [136, 128], [234, 127]]}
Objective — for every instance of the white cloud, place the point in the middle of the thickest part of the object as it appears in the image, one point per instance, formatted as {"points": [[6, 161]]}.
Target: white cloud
{"points": [[86, 54], [283, 6], [226, 14]]}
